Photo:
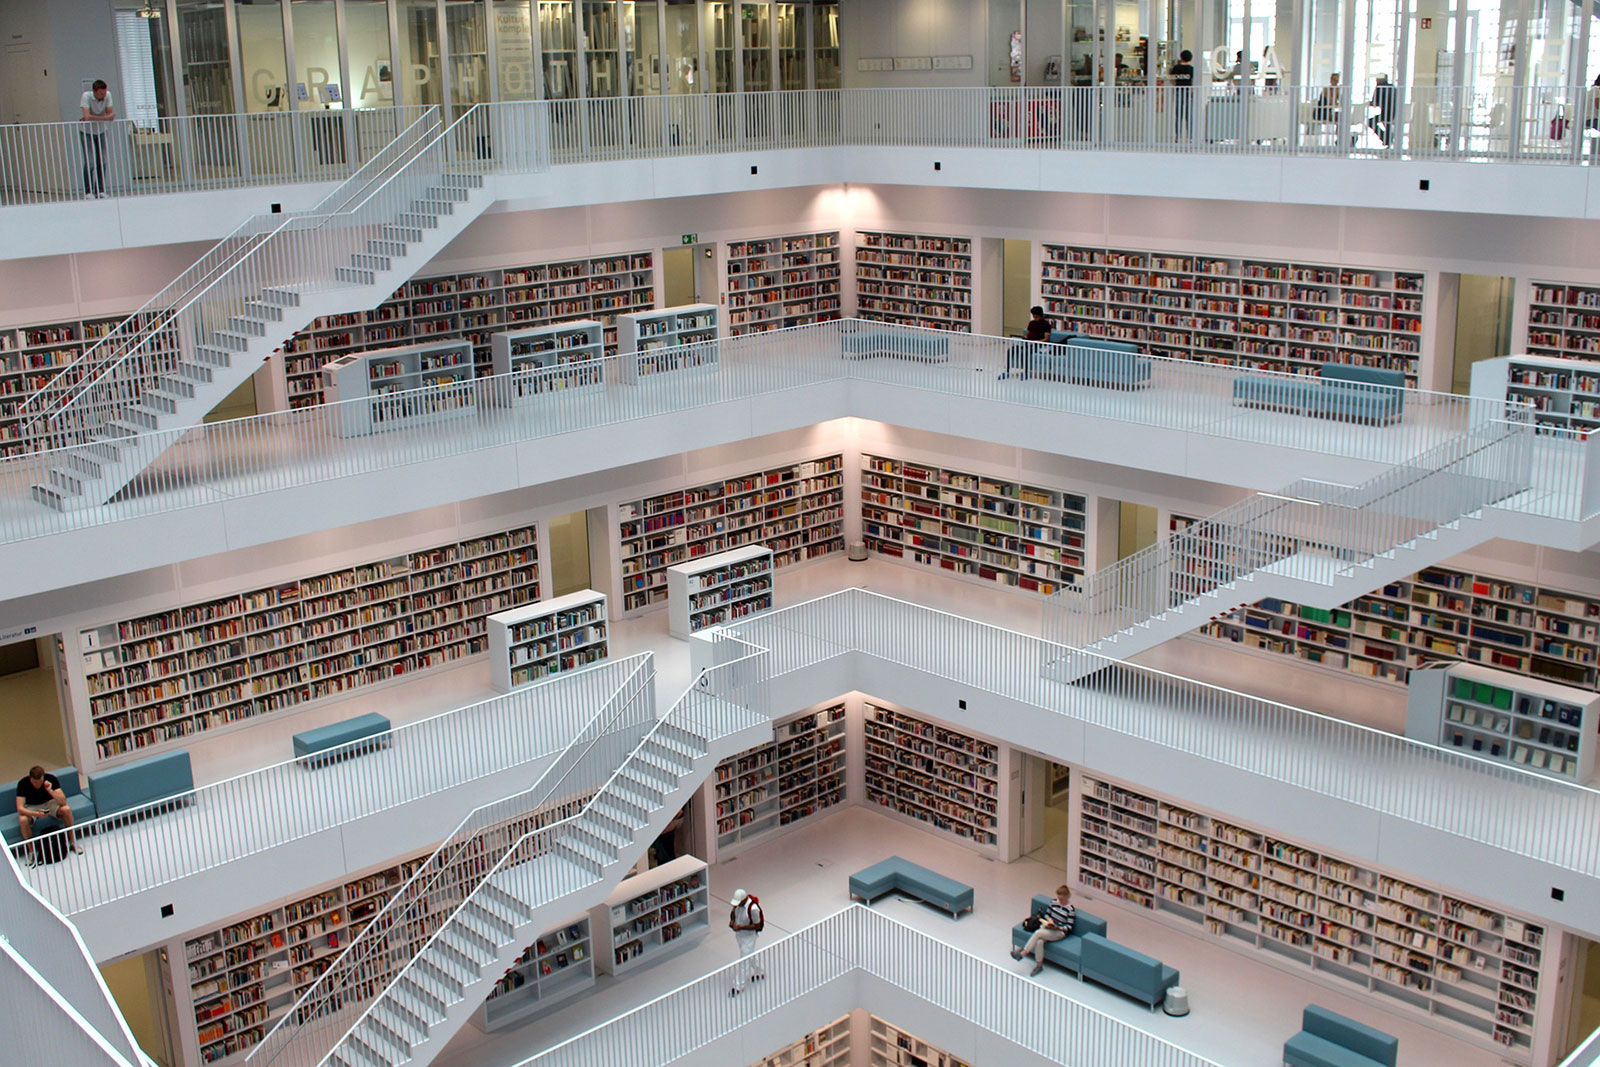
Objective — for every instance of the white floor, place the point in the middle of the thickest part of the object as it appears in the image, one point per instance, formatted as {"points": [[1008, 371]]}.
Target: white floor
{"points": [[1242, 1009]]}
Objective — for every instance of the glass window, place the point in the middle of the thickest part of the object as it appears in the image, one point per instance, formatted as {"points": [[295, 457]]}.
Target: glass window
{"points": [[642, 47], [719, 41], [558, 44], [421, 74], [266, 71], [792, 44], [207, 62], [825, 44], [467, 33], [756, 27], [371, 70], [144, 55], [601, 51], [513, 50], [683, 48], [316, 55]]}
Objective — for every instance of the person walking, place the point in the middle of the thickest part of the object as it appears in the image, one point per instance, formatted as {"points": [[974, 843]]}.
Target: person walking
{"points": [[746, 921], [1386, 100], [1055, 924], [1182, 75], [95, 109]]}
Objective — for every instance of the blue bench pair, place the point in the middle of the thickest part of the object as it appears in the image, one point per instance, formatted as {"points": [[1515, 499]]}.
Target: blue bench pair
{"points": [[1080, 360], [1089, 954], [896, 875], [135, 788], [1338, 391], [921, 346]]}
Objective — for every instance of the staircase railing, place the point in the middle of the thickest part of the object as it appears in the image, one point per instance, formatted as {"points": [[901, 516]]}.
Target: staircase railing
{"points": [[1309, 530], [332, 1004]]}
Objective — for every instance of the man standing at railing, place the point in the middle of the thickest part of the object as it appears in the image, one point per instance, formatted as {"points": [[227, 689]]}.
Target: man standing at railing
{"points": [[96, 109], [746, 921]]}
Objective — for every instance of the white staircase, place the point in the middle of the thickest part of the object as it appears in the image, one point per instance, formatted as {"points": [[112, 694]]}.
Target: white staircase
{"points": [[1311, 543], [508, 898], [137, 390]]}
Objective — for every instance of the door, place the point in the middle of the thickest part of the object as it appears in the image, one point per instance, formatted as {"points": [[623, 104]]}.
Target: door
{"points": [[1483, 325], [677, 276], [1018, 287], [1136, 528], [32, 723], [569, 553]]}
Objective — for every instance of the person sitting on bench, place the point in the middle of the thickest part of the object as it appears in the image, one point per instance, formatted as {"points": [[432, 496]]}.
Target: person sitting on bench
{"points": [[39, 796], [1017, 357], [1055, 924]]}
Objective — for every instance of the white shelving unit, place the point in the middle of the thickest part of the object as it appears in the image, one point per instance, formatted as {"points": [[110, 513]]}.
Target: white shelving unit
{"points": [[647, 341], [402, 387], [1538, 726], [826, 1047], [1564, 321], [651, 915], [799, 774], [1564, 392], [561, 634], [774, 282], [914, 279], [563, 355], [894, 1047], [934, 775], [1452, 962], [557, 966], [710, 590]]}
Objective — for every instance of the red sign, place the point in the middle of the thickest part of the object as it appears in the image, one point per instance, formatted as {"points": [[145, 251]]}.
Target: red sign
{"points": [[1425, 23]]}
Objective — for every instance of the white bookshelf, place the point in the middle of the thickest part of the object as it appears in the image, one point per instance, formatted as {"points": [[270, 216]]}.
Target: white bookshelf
{"points": [[155, 680], [1563, 392], [891, 1046], [1564, 321], [715, 589], [795, 509], [1455, 963], [1245, 312], [1535, 725], [798, 774], [648, 341], [775, 282], [557, 966], [828, 1046], [538, 640], [651, 915], [933, 775], [545, 359], [403, 387], [914, 279], [973, 525]]}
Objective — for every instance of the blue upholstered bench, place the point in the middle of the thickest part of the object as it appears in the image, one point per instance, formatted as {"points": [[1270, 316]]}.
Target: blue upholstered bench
{"points": [[1139, 976], [929, 347], [142, 782], [898, 875], [1080, 360], [1328, 1039], [1339, 391], [1068, 951], [315, 747], [82, 807]]}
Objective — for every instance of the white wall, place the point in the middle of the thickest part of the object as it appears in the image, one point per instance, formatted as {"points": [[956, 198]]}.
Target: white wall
{"points": [[886, 28]]}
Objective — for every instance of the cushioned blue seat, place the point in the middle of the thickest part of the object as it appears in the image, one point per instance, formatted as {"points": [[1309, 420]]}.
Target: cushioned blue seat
{"points": [[928, 347], [142, 782], [313, 747], [1142, 977], [1081, 360], [80, 803], [900, 875], [1339, 391], [1068, 951], [1328, 1039]]}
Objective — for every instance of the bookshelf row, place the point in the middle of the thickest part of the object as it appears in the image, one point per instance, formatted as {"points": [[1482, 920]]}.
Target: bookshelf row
{"points": [[1564, 320], [933, 774], [712, 590], [828, 1046], [796, 510], [156, 679], [894, 1047], [1445, 955], [564, 633], [473, 306], [774, 282], [798, 774], [1563, 392], [652, 914], [1438, 614], [1263, 314], [558, 965], [1000, 531], [914, 279]]}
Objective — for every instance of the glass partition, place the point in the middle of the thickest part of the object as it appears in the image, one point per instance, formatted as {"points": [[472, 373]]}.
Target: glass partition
{"points": [[515, 77], [467, 33], [318, 84], [602, 47], [825, 45], [793, 39], [558, 47], [682, 47], [422, 74], [719, 44], [266, 70], [641, 47], [755, 26], [371, 66], [145, 58], [206, 61]]}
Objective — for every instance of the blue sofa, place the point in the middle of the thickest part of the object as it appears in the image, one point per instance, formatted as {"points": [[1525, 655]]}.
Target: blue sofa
{"points": [[80, 803], [1068, 951], [1081, 360], [1328, 1039], [900, 875], [1339, 391], [1121, 968], [921, 346], [142, 782], [325, 744]]}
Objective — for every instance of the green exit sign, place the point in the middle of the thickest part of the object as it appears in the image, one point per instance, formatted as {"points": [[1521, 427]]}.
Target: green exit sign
{"points": [[691, 238]]}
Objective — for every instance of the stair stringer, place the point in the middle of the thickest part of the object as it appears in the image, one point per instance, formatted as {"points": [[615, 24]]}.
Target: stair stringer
{"points": [[372, 1040], [91, 474], [1347, 581]]}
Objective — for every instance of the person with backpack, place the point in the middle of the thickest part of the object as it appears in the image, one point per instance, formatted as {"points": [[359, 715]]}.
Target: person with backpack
{"points": [[746, 921]]}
